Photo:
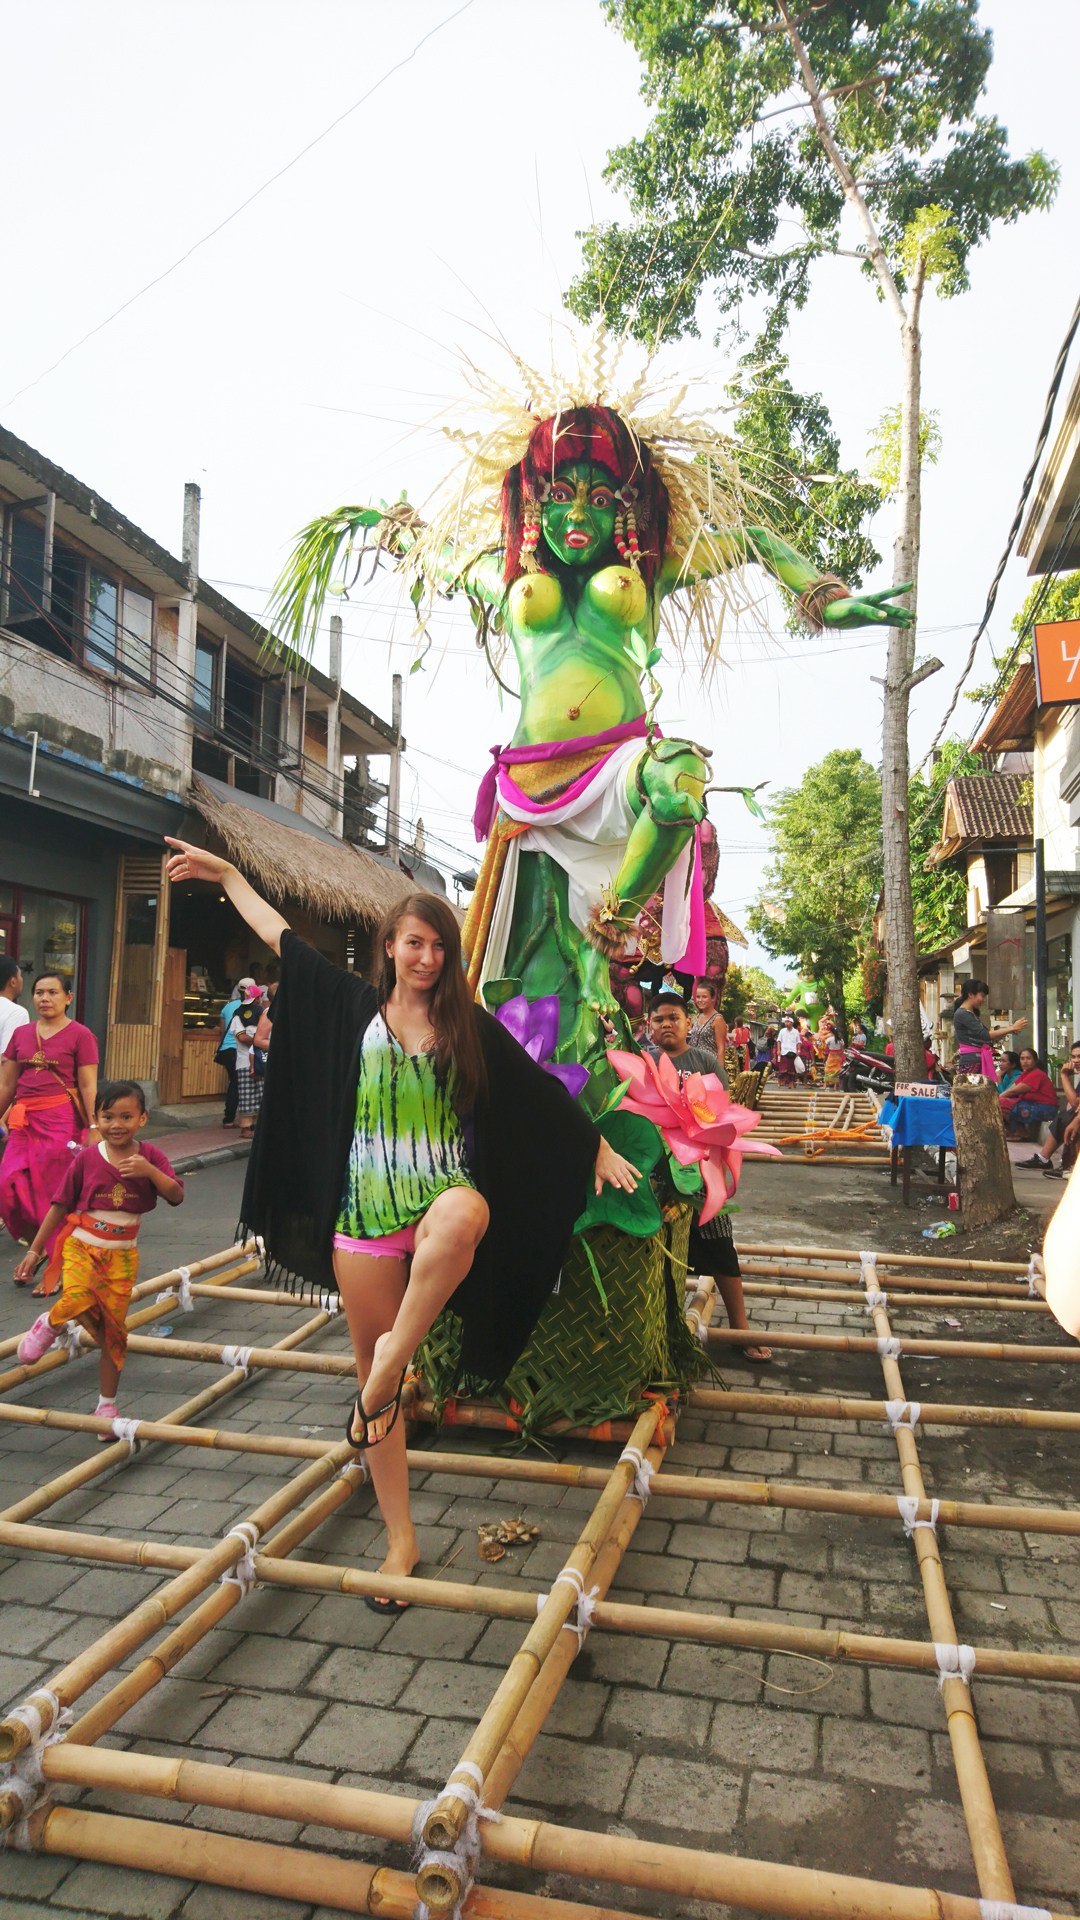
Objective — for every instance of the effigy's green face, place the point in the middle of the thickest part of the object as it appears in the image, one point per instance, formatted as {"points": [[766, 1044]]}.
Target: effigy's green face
{"points": [[578, 516]]}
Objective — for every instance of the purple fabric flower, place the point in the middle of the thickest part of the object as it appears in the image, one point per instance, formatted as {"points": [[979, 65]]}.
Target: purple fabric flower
{"points": [[535, 1026]]}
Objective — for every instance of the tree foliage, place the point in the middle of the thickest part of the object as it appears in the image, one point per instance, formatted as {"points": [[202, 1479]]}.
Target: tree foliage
{"points": [[737, 992], [939, 893], [789, 451], [826, 835], [883, 457], [729, 185], [1054, 597]]}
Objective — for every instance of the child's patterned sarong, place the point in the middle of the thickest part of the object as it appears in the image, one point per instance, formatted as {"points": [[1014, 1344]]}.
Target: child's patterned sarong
{"points": [[97, 1288]]}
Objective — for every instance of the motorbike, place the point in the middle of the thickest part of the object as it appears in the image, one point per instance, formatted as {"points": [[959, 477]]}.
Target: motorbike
{"points": [[864, 1071]]}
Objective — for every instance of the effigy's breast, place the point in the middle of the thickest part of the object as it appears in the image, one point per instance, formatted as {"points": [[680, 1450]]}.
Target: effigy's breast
{"points": [[535, 602], [619, 594]]}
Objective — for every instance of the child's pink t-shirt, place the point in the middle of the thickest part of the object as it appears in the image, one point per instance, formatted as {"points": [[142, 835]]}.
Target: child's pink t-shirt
{"points": [[92, 1184]]}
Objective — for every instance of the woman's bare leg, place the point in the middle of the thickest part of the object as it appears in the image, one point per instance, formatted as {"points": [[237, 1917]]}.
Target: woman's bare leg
{"points": [[729, 1286], [446, 1239], [372, 1290]]}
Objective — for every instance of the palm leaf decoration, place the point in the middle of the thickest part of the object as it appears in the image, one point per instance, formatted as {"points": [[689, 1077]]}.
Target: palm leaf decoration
{"points": [[324, 549]]}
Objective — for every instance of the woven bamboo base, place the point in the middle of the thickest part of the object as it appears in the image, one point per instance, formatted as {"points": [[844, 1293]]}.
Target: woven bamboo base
{"points": [[588, 1363]]}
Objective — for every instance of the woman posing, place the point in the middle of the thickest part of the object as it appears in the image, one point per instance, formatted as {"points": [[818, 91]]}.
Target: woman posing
{"points": [[709, 1032], [49, 1070], [408, 1150]]}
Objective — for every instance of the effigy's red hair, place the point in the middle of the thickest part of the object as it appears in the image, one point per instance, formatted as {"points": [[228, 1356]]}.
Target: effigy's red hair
{"points": [[599, 435]]}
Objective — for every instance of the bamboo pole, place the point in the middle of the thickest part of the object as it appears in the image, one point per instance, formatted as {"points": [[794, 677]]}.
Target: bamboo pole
{"points": [[762, 1886], [444, 1823], [272, 1357], [832, 1406], [860, 1343], [501, 1603], [885, 1259], [107, 1457], [980, 1813], [115, 1645], [211, 1261], [104, 1714], [984, 1303], [897, 1282], [59, 1356]]}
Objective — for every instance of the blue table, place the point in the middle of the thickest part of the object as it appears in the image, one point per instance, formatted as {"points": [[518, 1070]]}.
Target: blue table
{"points": [[918, 1123]]}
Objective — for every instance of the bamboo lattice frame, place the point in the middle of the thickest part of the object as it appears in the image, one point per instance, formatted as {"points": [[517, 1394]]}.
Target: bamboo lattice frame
{"points": [[326, 1476]]}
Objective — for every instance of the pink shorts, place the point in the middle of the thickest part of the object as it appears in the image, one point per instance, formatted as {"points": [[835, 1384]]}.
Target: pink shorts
{"points": [[393, 1246]]}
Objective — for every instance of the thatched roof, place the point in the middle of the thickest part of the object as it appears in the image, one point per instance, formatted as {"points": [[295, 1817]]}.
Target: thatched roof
{"points": [[329, 878]]}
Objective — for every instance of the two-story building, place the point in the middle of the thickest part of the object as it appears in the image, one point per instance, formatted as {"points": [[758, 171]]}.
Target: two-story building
{"points": [[136, 702]]}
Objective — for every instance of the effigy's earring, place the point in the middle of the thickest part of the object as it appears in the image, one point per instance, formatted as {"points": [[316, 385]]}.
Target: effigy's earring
{"points": [[530, 538], [625, 540]]}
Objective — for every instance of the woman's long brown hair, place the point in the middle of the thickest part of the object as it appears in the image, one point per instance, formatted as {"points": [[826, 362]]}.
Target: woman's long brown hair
{"points": [[458, 1055]]}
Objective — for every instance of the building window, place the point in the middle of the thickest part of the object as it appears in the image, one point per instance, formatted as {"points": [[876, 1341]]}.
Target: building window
{"points": [[120, 628], [206, 669], [43, 931]]}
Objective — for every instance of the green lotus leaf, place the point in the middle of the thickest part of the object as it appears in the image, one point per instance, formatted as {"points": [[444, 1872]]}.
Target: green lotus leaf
{"points": [[640, 1142], [685, 1180]]}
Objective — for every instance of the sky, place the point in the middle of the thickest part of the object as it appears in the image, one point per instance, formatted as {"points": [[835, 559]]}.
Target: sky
{"points": [[290, 339]]}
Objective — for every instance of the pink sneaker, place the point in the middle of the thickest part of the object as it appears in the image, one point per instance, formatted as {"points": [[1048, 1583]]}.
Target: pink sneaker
{"points": [[105, 1410], [38, 1341]]}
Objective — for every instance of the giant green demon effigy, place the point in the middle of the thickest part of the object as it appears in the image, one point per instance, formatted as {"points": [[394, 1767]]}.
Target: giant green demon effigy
{"points": [[581, 521]]}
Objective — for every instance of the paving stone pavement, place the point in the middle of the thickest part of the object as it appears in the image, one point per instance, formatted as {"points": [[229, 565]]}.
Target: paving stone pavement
{"points": [[833, 1766]]}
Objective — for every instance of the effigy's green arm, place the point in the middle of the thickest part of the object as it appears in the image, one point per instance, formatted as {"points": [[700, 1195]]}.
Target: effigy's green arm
{"points": [[832, 606], [481, 575]]}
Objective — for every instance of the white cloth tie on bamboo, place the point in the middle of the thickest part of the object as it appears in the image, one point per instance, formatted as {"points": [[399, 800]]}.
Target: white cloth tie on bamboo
{"points": [[242, 1575], [330, 1303], [463, 1857], [875, 1298], [955, 1663], [908, 1503], [1036, 1271], [353, 1467], [583, 1611], [895, 1410], [126, 1430], [868, 1270], [181, 1292], [70, 1336], [237, 1357], [22, 1776], [643, 1475], [888, 1349], [1004, 1910]]}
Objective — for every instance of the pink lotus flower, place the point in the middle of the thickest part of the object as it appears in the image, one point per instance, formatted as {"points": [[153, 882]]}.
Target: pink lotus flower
{"points": [[698, 1120]]}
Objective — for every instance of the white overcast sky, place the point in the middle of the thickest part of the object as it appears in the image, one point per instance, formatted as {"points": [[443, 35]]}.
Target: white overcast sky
{"points": [[295, 360]]}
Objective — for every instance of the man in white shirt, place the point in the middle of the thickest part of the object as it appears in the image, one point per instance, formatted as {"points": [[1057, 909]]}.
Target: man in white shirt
{"points": [[11, 1014], [787, 1047]]}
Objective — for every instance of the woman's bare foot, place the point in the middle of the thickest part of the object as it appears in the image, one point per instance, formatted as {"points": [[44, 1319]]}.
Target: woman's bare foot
{"points": [[402, 1554]]}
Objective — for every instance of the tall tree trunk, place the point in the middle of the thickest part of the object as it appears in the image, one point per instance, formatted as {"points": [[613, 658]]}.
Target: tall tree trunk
{"points": [[900, 678], [900, 953]]}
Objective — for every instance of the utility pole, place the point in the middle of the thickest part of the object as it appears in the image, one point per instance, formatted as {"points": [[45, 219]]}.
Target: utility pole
{"points": [[187, 614], [1040, 950], [393, 798]]}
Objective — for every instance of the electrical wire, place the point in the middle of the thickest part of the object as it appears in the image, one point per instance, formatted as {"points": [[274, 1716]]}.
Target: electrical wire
{"points": [[244, 204], [991, 598]]}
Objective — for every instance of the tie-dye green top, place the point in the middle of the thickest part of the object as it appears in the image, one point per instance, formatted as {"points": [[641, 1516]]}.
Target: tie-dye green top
{"points": [[408, 1145]]}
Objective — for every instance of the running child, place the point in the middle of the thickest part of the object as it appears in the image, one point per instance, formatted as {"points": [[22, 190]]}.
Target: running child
{"points": [[98, 1206]]}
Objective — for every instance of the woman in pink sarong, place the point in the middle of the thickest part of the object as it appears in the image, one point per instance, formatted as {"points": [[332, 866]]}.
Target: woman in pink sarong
{"points": [[48, 1085]]}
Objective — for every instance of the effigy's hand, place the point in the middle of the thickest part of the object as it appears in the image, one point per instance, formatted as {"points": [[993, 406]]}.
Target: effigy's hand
{"points": [[613, 1171], [869, 610]]}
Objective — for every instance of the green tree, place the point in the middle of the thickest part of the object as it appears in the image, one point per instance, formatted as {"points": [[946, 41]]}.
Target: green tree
{"points": [[727, 169], [737, 991], [1055, 597], [826, 836], [939, 892], [789, 451]]}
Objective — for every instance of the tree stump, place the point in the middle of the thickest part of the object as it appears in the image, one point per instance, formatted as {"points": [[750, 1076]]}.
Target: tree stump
{"points": [[985, 1177]]}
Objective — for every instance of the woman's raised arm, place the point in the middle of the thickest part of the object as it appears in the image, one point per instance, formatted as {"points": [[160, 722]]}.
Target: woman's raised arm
{"points": [[191, 863]]}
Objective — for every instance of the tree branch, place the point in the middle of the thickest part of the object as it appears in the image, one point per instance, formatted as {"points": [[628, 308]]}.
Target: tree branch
{"points": [[921, 673], [875, 250]]}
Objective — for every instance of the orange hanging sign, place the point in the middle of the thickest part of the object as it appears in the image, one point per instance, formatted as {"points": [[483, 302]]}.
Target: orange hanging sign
{"points": [[1057, 663]]}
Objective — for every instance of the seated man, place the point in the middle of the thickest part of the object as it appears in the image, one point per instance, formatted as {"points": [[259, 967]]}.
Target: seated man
{"points": [[1064, 1127], [1030, 1100]]}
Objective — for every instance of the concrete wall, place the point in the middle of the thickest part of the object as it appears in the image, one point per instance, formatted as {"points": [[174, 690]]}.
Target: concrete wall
{"points": [[110, 725], [1052, 825]]}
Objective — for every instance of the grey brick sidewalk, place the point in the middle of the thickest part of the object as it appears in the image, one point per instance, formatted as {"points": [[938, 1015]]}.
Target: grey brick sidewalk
{"points": [[824, 1765]]}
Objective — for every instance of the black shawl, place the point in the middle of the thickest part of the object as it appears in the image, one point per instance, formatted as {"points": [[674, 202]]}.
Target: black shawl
{"points": [[532, 1151]]}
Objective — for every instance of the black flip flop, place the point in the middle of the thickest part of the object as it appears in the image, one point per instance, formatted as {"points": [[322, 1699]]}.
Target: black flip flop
{"points": [[366, 1419], [390, 1607]]}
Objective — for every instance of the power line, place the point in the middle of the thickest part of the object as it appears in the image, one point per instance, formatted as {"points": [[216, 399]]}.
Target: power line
{"points": [[244, 204]]}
